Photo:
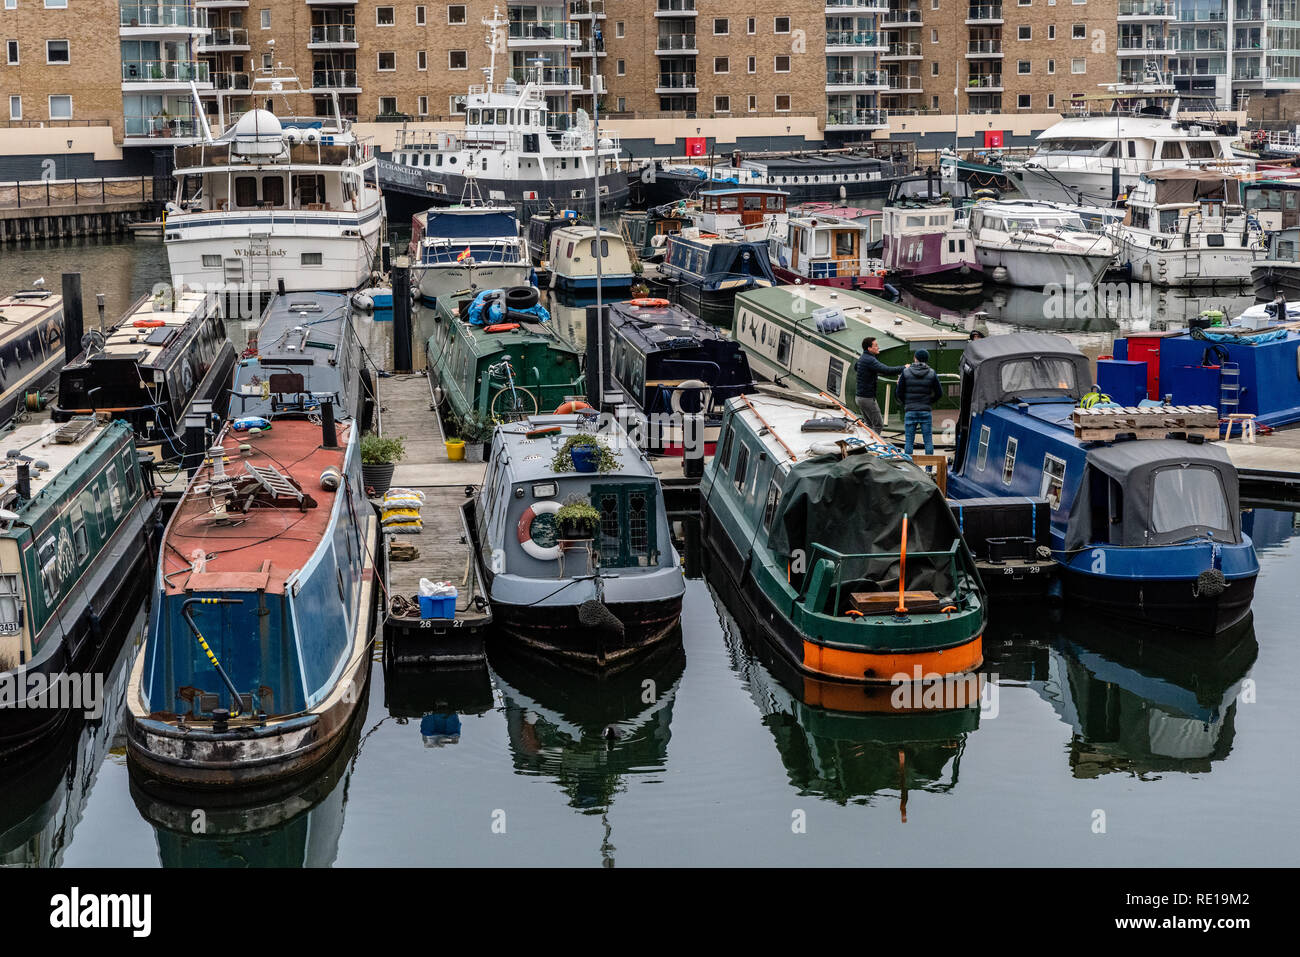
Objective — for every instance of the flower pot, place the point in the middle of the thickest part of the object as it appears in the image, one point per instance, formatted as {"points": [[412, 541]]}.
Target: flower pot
{"points": [[586, 458], [455, 449], [473, 451], [574, 528], [377, 478]]}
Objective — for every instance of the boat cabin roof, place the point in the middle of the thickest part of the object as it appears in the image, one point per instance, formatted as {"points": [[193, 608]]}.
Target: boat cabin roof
{"points": [[470, 222], [527, 459], [661, 328], [146, 333], [583, 231], [26, 305], [1024, 365], [48, 449], [778, 423], [864, 314]]}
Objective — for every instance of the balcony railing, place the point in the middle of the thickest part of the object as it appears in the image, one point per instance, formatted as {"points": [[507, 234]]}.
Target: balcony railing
{"points": [[856, 78], [1149, 44], [976, 47], [161, 15], [584, 8], [1186, 15], [157, 127], [164, 71], [852, 38], [903, 49], [1145, 8], [334, 33], [984, 81], [676, 81], [905, 84], [675, 6], [1248, 11], [224, 37], [984, 12], [544, 30], [856, 118], [895, 18], [840, 5], [551, 75], [232, 81], [676, 41], [1248, 45], [333, 79]]}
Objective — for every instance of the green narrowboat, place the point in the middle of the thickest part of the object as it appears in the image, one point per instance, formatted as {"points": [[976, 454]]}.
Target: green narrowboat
{"points": [[500, 356], [77, 517], [808, 338]]}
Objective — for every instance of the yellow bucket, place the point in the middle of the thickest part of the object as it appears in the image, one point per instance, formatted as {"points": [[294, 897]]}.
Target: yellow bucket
{"points": [[455, 449]]}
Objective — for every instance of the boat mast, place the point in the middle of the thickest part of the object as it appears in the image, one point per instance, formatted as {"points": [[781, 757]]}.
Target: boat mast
{"points": [[493, 25]]}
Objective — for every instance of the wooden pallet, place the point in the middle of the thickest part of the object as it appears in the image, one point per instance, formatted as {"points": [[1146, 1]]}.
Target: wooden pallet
{"points": [[1145, 422]]}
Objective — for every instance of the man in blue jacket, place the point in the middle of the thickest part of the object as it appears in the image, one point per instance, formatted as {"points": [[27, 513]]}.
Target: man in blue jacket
{"points": [[867, 369], [918, 391]]}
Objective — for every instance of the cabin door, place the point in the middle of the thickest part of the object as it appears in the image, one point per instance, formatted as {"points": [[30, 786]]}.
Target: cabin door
{"points": [[751, 210], [844, 250]]}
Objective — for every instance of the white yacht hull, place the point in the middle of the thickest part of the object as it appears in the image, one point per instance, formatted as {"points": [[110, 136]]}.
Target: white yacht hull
{"points": [[1083, 186], [446, 279], [1035, 269], [1183, 267]]}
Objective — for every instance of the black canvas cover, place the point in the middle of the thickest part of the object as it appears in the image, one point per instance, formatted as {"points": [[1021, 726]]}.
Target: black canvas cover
{"points": [[1024, 365], [855, 506], [1172, 491]]}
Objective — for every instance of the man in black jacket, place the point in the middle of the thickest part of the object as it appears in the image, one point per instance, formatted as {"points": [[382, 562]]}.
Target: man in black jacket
{"points": [[918, 391], [867, 369]]}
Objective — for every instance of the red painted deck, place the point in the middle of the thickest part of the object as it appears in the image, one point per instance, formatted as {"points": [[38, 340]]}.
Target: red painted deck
{"points": [[263, 547]]}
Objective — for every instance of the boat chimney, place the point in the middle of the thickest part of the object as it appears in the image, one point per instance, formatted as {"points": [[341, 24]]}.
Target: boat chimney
{"points": [[24, 481], [73, 325], [329, 436]]}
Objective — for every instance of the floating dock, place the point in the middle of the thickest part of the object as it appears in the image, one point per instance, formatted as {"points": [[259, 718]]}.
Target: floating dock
{"points": [[1269, 468]]}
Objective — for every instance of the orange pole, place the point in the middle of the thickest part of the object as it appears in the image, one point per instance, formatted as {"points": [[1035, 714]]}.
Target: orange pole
{"points": [[902, 570]]}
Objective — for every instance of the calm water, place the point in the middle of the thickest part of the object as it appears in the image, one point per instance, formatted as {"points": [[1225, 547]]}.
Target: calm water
{"points": [[1188, 747]]}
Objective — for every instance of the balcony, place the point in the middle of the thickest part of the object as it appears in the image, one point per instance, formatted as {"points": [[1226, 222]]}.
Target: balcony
{"points": [[981, 48], [232, 82], [984, 83], [676, 83], [905, 84], [324, 36], [553, 77], [848, 80], [170, 72], [223, 38], [585, 10], [856, 119], [1185, 15], [534, 33], [220, 4], [901, 18], [675, 43], [853, 40], [902, 51], [138, 19], [857, 6], [1247, 13], [987, 14], [1136, 10], [338, 80], [1133, 45], [675, 8], [1248, 45], [150, 128]]}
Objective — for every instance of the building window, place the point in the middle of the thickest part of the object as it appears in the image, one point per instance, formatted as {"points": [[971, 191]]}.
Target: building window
{"points": [[934, 102], [751, 103], [456, 60], [721, 64], [456, 13], [11, 4], [422, 59], [422, 105], [781, 64], [619, 29], [1078, 32], [1051, 101], [622, 104], [56, 51], [722, 104], [266, 61], [752, 64], [934, 36], [721, 27], [1024, 101], [11, 52], [1051, 31], [1051, 66], [387, 61], [266, 19], [1079, 65], [419, 16], [15, 107], [60, 107], [1023, 67], [384, 16], [934, 68], [751, 26], [780, 24], [783, 102], [387, 105], [1024, 33], [620, 67], [56, 4]]}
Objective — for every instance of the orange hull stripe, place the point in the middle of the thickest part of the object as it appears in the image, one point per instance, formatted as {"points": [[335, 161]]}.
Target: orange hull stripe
{"points": [[870, 666]]}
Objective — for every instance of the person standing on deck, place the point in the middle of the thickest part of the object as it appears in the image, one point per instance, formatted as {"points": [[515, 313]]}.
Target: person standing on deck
{"points": [[867, 369], [918, 391]]}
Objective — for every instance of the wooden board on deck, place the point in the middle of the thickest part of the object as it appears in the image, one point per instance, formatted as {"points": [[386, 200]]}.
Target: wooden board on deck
{"points": [[885, 603], [443, 554]]}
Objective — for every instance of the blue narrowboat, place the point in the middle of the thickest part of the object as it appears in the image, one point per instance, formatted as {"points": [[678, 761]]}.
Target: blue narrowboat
{"points": [[705, 273], [1148, 529]]}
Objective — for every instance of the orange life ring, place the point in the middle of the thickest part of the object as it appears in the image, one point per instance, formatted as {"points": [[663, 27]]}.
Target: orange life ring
{"points": [[653, 303], [501, 327], [564, 408], [148, 323]]}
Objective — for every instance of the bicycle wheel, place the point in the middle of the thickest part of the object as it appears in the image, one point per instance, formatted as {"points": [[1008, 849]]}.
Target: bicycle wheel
{"points": [[510, 406]]}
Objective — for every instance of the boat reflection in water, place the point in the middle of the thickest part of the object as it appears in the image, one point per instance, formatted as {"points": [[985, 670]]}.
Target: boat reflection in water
{"points": [[850, 743], [45, 794], [1139, 702], [435, 698], [300, 828]]}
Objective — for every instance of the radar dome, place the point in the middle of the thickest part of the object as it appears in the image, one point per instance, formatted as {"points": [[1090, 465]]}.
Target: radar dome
{"points": [[258, 133]]}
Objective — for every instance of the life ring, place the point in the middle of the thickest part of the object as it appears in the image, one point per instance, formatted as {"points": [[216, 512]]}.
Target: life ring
{"points": [[694, 385], [501, 327], [524, 531], [652, 303], [564, 408], [148, 323]]}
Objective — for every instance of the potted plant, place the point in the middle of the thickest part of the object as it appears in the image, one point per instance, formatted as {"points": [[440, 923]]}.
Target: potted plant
{"points": [[475, 429], [379, 455], [576, 520], [584, 452]]}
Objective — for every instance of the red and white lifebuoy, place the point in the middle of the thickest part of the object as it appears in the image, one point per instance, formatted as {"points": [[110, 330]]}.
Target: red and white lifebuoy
{"points": [[524, 531], [573, 405]]}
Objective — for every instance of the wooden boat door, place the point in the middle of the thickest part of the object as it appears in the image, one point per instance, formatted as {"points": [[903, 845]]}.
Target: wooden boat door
{"points": [[845, 251]]}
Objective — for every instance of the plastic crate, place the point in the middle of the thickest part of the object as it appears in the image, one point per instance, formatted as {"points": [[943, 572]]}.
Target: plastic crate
{"points": [[442, 606]]}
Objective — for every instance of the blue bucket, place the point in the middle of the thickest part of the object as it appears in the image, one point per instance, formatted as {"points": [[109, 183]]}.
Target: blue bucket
{"points": [[586, 458]]}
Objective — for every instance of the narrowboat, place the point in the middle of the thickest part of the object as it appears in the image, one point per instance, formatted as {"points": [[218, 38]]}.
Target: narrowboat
{"points": [[808, 339], [829, 250], [258, 653], [927, 240], [1186, 227], [1146, 529], [613, 588], [574, 254], [464, 248], [750, 214], [846, 551], [647, 231], [670, 364], [77, 516], [32, 350], [540, 228], [705, 274], [1037, 244], [495, 353], [165, 356], [1278, 272]]}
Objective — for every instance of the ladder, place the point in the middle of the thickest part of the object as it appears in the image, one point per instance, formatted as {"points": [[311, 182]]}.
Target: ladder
{"points": [[1229, 389]]}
